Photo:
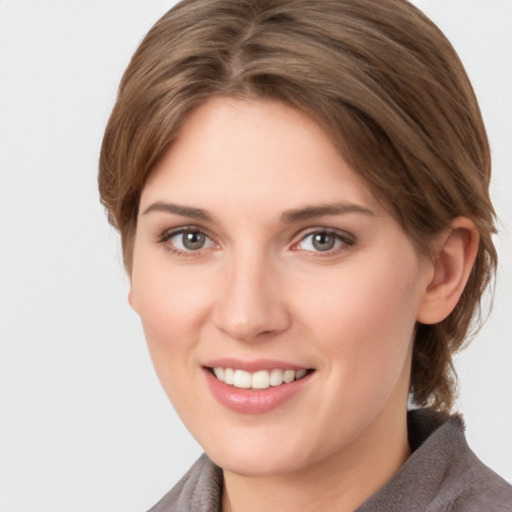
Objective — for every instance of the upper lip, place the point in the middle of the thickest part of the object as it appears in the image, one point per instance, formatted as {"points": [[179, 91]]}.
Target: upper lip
{"points": [[253, 365]]}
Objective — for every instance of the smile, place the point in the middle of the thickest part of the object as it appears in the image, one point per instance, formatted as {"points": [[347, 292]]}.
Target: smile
{"points": [[259, 387], [262, 379]]}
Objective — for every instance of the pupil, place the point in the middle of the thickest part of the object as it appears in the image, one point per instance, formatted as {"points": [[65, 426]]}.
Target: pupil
{"points": [[193, 240], [323, 242]]}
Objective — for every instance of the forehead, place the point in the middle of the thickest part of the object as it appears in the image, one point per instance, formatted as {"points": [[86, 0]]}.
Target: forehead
{"points": [[250, 153]]}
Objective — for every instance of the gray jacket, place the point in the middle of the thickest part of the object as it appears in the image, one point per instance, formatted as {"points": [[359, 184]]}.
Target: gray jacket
{"points": [[442, 474]]}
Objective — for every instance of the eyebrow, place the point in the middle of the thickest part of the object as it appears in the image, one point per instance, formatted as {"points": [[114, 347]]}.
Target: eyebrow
{"points": [[314, 211], [184, 211], [289, 216]]}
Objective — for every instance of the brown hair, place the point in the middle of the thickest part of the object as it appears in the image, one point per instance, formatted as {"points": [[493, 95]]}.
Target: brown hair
{"points": [[378, 76]]}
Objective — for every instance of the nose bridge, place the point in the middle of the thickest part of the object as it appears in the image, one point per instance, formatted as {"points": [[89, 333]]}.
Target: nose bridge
{"points": [[249, 304]]}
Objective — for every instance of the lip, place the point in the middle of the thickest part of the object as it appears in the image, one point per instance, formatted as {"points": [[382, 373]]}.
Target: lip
{"points": [[250, 401], [252, 366]]}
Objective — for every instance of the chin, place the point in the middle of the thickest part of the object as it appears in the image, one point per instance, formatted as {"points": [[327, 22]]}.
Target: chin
{"points": [[257, 465], [259, 456]]}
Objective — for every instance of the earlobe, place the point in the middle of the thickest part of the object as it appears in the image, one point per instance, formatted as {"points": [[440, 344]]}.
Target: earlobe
{"points": [[131, 299], [452, 267]]}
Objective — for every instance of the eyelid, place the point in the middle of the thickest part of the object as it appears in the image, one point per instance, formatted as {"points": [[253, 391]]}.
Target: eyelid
{"points": [[348, 240], [167, 234]]}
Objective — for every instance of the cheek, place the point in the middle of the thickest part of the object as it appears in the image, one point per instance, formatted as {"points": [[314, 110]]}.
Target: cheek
{"points": [[172, 304], [169, 316], [364, 320], [168, 298]]}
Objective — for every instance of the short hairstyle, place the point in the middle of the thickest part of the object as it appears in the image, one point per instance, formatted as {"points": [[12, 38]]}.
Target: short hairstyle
{"points": [[379, 77]]}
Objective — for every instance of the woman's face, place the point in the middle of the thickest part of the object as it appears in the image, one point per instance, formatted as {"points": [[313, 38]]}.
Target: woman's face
{"points": [[260, 256]]}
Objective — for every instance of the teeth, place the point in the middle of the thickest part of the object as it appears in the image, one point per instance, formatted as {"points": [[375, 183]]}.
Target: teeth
{"points": [[276, 377], [242, 379], [258, 380], [229, 375], [289, 376], [300, 373], [219, 373]]}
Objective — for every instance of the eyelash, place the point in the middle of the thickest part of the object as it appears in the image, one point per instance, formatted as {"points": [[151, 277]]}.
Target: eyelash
{"points": [[168, 235], [345, 241]]}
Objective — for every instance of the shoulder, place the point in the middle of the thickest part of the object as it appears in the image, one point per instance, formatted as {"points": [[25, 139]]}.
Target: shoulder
{"points": [[467, 484], [476, 489], [200, 490], [442, 474]]}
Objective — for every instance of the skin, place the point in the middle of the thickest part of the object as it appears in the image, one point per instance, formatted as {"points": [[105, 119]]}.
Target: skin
{"points": [[259, 289]]}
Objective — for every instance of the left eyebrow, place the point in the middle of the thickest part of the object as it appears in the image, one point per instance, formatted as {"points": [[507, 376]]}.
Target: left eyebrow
{"points": [[178, 209], [314, 211]]}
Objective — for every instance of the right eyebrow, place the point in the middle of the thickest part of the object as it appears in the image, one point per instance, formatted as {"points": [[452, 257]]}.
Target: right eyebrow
{"points": [[312, 211], [177, 209]]}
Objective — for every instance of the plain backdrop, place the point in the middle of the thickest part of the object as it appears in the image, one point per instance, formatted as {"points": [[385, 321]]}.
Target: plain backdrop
{"points": [[84, 424]]}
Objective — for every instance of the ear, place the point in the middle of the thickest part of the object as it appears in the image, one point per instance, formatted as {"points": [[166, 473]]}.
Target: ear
{"points": [[131, 298], [452, 266]]}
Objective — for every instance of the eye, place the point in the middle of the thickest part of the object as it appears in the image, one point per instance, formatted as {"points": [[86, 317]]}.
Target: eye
{"points": [[324, 241], [187, 240]]}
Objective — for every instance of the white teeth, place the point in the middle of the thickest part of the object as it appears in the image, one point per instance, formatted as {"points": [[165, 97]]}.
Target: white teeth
{"points": [[276, 377], [259, 380], [289, 376], [242, 379], [219, 373], [229, 375], [300, 373]]}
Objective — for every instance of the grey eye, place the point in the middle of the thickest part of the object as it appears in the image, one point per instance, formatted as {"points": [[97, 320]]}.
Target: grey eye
{"points": [[193, 240], [190, 240], [323, 241]]}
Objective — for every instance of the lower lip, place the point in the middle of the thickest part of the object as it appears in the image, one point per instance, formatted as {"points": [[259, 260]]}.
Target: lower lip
{"points": [[250, 401]]}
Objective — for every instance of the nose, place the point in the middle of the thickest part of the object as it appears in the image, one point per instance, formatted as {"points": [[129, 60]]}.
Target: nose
{"points": [[249, 304]]}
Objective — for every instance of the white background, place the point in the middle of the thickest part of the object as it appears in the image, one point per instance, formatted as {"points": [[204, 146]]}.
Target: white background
{"points": [[84, 425]]}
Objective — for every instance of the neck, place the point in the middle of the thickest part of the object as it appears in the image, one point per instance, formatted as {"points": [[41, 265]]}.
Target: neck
{"points": [[342, 482]]}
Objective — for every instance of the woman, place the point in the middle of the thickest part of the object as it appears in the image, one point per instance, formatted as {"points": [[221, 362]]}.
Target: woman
{"points": [[301, 190]]}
